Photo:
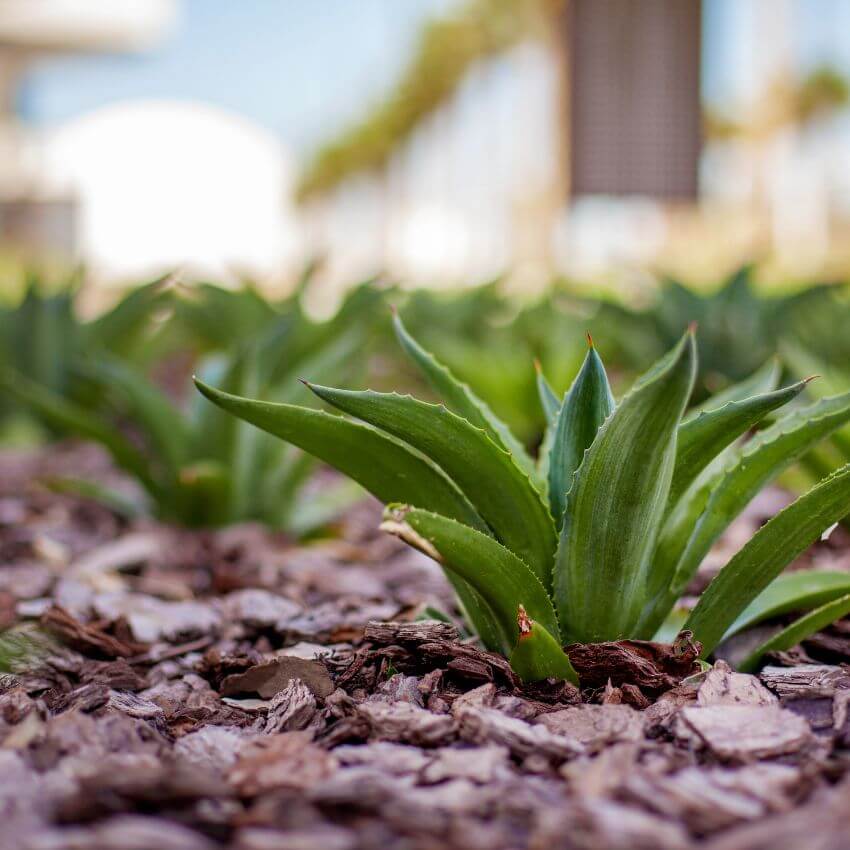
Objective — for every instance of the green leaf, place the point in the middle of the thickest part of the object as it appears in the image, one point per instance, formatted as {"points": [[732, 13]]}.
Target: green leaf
{"points": [[201, 497], [549, 401], [499, 490], [799, 630], [460, 399], [69, 417], [673, 623], [387, 468], [701, 439], [758, 462], [586, 406], [384, 466], [118, 329], [675, 532], [537, 655], [147, 407], [85, 488], [616, 504], [551, 405], [796, 591], [501, 578], [766, 554], [763, 380]]}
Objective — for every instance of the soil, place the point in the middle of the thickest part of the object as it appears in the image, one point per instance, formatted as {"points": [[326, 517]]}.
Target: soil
{"points": [[231, 689]]}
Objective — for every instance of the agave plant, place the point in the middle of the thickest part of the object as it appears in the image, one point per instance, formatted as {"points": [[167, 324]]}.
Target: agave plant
{"points": [[597, 539], [201, 467], [43, 337]]}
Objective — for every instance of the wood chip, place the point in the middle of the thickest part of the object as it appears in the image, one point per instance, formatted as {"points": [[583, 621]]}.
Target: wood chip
{"points": [[744, 732], [271, 678]]}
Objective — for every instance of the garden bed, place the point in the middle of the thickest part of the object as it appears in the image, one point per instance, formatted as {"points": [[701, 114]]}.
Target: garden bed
{"points": [[232, 689]]}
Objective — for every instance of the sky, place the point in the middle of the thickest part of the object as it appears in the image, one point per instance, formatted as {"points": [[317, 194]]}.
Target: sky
{"points": [[305, 69], [299, 68]]}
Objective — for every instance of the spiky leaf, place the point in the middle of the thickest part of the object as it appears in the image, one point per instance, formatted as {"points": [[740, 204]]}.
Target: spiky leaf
{"points": [[703, 438], [801, 590], [498, 575], [799, 630], [460, 399], [766, 554], [386, 467], [763, 380], [754, 465], [500, 491], [616, 503], [549, 401], [586, 406]]}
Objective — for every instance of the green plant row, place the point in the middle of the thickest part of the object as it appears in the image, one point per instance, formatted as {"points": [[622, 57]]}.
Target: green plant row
{"points": [[198, 466]]}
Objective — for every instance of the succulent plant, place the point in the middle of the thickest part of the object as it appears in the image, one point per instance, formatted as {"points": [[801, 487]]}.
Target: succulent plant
{"points": [[43, 336], [201, 467], [597, 538]]}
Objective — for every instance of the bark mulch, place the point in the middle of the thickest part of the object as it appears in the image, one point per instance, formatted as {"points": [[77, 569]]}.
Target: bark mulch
{"points": [[234, 690]]}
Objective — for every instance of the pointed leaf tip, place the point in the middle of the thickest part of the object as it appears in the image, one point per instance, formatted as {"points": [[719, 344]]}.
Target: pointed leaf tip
{"points": [[810, 379], [537, 367], [589, 339], [692, 326]]}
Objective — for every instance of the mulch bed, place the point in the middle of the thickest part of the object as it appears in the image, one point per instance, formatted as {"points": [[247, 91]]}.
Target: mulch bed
{"points": [[234, 690]]}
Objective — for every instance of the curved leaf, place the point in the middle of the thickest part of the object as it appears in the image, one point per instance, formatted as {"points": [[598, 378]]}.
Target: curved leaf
{"points": [[73, 418], [764, 380], [796, 591], [766, 554], [703, 438], [753, 466], [460, 399], [586, 406], [148, 408], [498, 575], [799, 630], [549, 401], [499, 490], [387, 468], [616, 504]]}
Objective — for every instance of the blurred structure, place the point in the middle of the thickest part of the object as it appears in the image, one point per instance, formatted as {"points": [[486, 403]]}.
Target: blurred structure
{"points": [[34, 217], [535, 137], [572, 136], [589, 97], [633, 113], [208, 190]]}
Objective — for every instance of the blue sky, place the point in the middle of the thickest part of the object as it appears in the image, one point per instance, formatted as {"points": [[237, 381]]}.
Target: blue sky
{"points": [[304, 68], [299, 67]]}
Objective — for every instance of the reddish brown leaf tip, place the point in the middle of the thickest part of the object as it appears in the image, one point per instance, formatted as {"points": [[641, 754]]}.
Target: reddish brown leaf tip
{"points": [[810, 379], [524, 622], [537, 366], [692, 326], [589, 339], [394, 309], [305, 382]]}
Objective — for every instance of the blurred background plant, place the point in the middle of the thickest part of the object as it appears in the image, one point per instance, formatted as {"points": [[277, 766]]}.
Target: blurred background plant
{"points": [[196, 466]]}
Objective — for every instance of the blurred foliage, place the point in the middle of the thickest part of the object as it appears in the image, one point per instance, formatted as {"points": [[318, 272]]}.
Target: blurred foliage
{"points": [[122, 378], [739, 328], [198, 466], [43, 335], [787, 102]]}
